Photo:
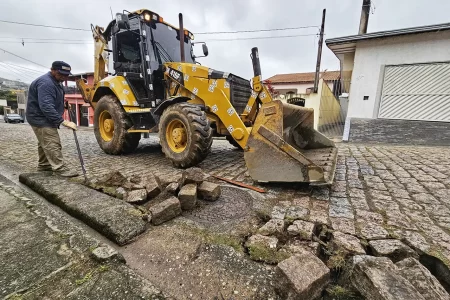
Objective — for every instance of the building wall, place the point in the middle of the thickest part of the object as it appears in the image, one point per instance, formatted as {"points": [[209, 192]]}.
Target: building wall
{"points": [[299, 88], [372, 55]]}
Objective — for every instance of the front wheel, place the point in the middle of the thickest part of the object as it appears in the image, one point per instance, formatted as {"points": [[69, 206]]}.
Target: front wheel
{"points": [[185, 134], [111, 125]]}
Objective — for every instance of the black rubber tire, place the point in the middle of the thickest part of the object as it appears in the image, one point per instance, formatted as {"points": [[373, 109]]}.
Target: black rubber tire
{"points": [[199, 134], [233, 142], [122, 141]]}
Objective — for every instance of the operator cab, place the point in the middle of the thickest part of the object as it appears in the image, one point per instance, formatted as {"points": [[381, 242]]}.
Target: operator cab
{"points": [[142, 42]]}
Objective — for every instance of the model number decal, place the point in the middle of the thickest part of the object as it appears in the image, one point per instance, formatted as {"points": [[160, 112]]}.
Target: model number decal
{"points": [[177, 75]]}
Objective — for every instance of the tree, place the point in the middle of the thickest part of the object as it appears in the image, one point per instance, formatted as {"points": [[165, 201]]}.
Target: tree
{"points": [[270, 87]]}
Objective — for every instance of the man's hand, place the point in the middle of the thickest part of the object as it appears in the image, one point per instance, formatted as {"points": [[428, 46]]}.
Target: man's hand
{"points": [[69, 124]]}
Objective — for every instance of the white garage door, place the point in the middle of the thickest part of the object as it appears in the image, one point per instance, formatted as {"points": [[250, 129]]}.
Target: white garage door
{"points": [[416, 92]]}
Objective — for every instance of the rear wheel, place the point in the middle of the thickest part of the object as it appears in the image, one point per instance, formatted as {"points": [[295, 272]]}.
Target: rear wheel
{"points": [[185, 134], [233, 142], [110, 127]]}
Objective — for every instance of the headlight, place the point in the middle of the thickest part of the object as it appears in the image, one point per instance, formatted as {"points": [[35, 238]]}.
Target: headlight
{"points": [[147, 17]]}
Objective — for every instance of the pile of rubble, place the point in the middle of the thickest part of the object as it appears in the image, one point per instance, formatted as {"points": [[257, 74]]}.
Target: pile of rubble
{"points": [[161, 198], [313, 260]]}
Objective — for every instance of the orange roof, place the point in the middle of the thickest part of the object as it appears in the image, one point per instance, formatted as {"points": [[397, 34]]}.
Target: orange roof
{"points": [[303, 77]]}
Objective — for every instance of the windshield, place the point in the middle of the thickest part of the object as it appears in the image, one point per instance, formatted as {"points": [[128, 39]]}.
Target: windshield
{"points": [[168, 44]]}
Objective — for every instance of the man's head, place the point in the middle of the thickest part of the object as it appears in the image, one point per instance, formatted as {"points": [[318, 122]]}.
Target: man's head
{"points": [[60, 70]]}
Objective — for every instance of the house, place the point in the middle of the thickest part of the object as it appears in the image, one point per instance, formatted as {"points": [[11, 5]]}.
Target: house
{"points": [[399, 84], [79, 112], [22, 99], [295, 84]]}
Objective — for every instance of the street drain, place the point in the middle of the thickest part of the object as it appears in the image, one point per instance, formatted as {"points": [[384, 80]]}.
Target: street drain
{"points": [[233, 204]]}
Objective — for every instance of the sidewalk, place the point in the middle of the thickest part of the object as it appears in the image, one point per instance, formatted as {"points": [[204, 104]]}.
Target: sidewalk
{"points": [[43, 255]]}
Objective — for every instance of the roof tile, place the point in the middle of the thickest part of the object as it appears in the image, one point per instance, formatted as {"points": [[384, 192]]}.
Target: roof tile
{"points": [[303, 77]]}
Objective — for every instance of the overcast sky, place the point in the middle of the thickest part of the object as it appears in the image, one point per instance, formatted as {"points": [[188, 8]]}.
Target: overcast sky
{"points": [[283, 55]]}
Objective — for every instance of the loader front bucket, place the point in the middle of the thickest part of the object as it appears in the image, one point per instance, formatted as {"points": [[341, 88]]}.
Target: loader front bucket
{"points": [[283, 146]]}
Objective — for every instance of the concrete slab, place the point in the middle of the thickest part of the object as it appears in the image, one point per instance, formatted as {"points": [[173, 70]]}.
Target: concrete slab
{"points": [[114, 218]]}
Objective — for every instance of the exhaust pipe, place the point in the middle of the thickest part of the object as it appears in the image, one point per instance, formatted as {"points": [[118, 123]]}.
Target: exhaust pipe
{"points": [[255, 62], [180, 18]]}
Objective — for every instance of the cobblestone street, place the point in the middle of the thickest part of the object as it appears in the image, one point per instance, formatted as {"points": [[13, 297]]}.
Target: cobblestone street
{"points": [[380, 191]]}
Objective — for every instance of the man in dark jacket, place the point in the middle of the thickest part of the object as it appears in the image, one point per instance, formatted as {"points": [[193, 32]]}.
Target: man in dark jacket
{"points": [[45, 108]]}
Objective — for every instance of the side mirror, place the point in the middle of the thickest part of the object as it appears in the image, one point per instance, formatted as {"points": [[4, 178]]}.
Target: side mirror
{"points": [[205, 49], [122, 21]]}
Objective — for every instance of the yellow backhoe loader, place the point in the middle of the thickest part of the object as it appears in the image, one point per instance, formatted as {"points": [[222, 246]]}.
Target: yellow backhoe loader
{"points": [[158, 86]]}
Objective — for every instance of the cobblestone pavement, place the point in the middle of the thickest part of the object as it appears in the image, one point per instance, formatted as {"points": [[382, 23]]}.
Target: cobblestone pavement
{"points": [[380, 191]]}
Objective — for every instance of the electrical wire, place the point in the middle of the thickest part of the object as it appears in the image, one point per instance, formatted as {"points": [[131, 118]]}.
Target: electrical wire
{"points": [[258, 30], [210, 40], [47, 26], [260, 38], [21, 76], [23, 73], [23, 58], [25, 68], [206, 32]]}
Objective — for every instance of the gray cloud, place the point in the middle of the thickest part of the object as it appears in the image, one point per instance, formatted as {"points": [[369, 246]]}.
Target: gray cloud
{"points": [[277, 55]]}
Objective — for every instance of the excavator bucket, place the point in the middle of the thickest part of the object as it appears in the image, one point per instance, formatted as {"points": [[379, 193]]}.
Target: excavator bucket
{"points": [[283, 146]]}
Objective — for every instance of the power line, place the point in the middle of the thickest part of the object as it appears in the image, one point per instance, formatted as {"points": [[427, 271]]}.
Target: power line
{"points": [[260, 38], [47, 26], [210, 32], [48, 42], [18, 74], [21, 72], [56, 41], [27, 69], [41, 39], [258, 30], [23, 58]]}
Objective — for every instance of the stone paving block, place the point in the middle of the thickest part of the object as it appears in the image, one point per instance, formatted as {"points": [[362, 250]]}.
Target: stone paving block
{"points": [[320, 205], [301, 276], [393, 249], [302, 229], [343, 225], [425, 198], [318, 216], [369, 216], [359, 203], [381, 195], [188, 196], [372, 231], [356, 193], [339, 186], [378, 278], [273, 227], [302, 201], [415, 188], [278, 212], [262, 248], [114, 218], [321, 193], [136, 196], [296, 213], [193, 175], [152, 186], [433, 185], [209, 191], [346, 243], [421, 278], [165, 211]]}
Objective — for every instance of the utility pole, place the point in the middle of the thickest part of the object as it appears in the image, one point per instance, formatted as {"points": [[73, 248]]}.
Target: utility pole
{"points": [[319, 52], [364, 21]]}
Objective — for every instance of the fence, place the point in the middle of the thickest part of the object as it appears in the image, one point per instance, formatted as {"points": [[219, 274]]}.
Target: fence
{"points": [[333, 109]]}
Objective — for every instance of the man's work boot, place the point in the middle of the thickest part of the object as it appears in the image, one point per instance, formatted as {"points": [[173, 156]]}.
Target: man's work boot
{"points": [[44, 168], [65, 173]]}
